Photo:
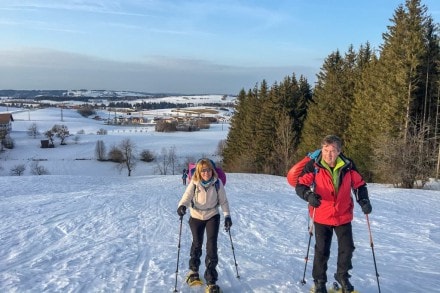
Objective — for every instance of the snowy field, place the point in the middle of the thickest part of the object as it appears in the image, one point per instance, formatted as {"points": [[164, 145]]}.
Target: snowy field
{"points": [[88, 228], [79, 157]]}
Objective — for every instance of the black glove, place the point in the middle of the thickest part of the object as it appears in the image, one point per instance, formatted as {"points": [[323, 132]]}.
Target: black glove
{"points": [[313, 199], [228, 223], [181, 211], [365, 205]]}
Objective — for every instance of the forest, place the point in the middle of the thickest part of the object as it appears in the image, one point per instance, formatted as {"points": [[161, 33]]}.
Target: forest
{"points": [[383, 102]]}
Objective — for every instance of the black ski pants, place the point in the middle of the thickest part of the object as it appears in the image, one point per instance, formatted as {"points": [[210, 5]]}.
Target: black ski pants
{"points": [[323, 239], [198, 228]]}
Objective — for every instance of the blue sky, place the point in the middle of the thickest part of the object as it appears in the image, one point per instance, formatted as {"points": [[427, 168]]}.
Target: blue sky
{"points": [[191, 47]]}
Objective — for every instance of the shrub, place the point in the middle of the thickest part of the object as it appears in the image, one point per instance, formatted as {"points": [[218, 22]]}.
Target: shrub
{"points": [[86, 111], [115, 155], [8, 142], [101, 131], [147, 156]]}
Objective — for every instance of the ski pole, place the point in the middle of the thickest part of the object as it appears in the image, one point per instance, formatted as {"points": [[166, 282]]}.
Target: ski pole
{"points": [[233, 253], [372, 249], [178, 253], [303, 281]]}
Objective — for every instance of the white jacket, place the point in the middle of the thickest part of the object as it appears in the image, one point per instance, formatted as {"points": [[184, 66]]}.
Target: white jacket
{"points": [[204, 203]]}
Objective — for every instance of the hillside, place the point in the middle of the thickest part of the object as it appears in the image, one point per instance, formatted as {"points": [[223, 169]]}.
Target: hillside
{"points": [[88, 228]]}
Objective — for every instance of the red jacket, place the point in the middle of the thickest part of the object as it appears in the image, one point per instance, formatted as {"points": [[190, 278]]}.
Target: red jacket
{"points": [[336, 207]]}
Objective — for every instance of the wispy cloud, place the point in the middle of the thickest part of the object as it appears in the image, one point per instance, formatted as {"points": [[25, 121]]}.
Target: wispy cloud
{"points": [[39, 25], [103, 7]]}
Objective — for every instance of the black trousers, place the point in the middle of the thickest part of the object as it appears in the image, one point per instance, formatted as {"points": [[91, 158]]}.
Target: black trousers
{"points": [[323, 239], [198, 228]]}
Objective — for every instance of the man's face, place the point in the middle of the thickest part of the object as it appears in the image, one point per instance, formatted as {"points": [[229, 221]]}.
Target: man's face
{"points": [[330, 153]]}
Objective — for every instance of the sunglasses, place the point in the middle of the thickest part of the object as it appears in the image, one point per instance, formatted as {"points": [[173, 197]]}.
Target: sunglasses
{"points": [[205, 170]]}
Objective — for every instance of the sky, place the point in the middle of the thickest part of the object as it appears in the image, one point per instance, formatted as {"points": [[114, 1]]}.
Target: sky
{"points": [[87, 228], [188, 47]]}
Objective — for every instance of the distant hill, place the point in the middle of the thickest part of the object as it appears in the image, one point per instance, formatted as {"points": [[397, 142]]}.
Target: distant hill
{"points": [[80, 94]]}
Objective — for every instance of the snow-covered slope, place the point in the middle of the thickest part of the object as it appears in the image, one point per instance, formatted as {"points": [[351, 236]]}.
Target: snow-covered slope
{"points": [[88, 228]]}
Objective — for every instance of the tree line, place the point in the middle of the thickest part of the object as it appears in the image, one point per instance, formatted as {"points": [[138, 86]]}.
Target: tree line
{"points": [[383, 103]]}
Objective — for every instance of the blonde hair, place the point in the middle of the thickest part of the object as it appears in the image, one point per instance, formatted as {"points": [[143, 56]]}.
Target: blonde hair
{"points": [[200, 165]]}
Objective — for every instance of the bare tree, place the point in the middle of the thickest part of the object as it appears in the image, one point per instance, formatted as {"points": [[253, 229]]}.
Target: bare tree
{"points": [[33, 130], [129, 160], [102, 131], [220, 147], [36, 169], [61, 131], [100, 150], [405, 164], [172, 158], [18, 170], [166, 160], [163, 162], [76, 139], [50, 135], [282, 145]]}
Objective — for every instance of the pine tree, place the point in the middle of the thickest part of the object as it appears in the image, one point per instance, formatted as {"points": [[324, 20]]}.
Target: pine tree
{"points": [[329, 112], [240, 149], [403, 64]]}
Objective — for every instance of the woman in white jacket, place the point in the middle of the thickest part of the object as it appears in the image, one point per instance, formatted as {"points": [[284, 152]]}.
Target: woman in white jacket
{"points": [[204, 194]]}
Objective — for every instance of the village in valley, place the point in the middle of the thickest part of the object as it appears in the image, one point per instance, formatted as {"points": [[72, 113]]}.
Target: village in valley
{"points": [[125, 109]]}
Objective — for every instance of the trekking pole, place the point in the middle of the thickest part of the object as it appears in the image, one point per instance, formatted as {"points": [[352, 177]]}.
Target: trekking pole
{"points": [[372, 249], [233, 253], [178, 253], [303, 281]]}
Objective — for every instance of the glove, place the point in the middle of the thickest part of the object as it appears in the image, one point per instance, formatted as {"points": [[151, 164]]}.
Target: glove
{"points": [[313, 199], [181, 211], [228, 223], [365, 205]]}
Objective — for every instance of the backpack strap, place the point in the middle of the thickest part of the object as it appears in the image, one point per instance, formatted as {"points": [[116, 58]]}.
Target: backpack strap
{"points": [[217, 186]]}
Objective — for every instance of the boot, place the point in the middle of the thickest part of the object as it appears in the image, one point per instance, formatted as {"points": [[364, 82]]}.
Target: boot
{"points": [[212, 288], [344, 281], [193, 279], [320, 287]]}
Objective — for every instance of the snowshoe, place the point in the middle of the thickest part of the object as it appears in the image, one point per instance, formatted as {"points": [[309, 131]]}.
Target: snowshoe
{"points": [[193, 279], [319, 287], [212, 288], [337, 289], [344, 281]]}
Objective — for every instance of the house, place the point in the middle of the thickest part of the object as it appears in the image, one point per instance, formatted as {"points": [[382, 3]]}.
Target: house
{"points": [[5, 124]]}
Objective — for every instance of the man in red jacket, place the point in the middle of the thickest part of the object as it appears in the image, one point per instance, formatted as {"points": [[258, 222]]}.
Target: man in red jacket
{"points": [[326, 184]]}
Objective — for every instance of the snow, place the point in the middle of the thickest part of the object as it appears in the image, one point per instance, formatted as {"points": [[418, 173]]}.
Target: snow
{"points": [[87, 227]]}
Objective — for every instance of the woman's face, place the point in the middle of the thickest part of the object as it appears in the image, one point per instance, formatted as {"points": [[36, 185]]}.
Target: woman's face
{"points": [[206, 172]]}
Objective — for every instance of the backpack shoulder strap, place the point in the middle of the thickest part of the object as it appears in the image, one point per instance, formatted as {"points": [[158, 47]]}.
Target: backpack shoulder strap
{"points": [[217, 187]]}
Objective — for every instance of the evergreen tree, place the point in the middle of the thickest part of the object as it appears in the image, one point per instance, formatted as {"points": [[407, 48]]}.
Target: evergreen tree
{"points": [[295, 98], [404, 64], [364, 123], [265, 128], [239, 152], [332, 100]]}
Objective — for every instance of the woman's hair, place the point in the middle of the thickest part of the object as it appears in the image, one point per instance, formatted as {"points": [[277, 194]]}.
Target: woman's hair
{"points": [[204, 163], [332, 139]]}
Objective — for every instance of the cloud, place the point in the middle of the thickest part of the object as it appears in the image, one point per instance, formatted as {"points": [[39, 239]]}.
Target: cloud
{"points": [[38, 68]]}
